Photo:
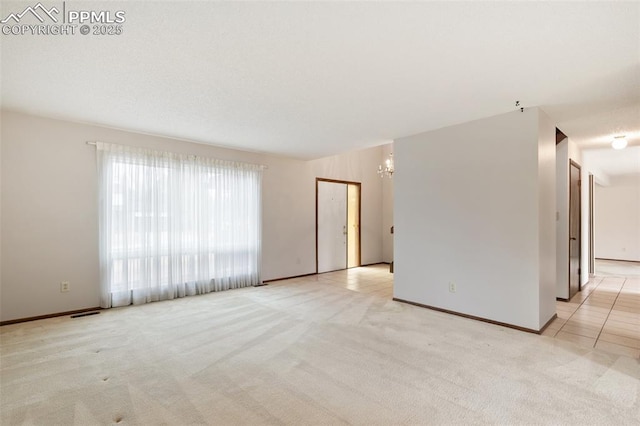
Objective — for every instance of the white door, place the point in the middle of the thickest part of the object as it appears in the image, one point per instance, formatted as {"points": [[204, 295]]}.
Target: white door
{"points": [[332, 226]]}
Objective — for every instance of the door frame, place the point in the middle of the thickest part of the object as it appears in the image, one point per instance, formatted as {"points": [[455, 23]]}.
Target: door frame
{"points": [[591, 236], [347, 182], [577, 166]]}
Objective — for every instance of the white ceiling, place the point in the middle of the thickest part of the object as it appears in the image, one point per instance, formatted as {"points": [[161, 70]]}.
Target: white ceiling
{"points": [[606, 162], [312, 79]]}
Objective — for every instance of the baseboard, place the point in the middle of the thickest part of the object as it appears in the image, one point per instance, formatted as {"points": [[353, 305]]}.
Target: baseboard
{"points": [[288, 278], [473, 317], [562, 299], [544, 327], [618, 260], [39, 317]]}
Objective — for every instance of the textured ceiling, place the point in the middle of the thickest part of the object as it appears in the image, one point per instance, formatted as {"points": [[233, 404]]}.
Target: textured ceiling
{"points": [[312, 79]]}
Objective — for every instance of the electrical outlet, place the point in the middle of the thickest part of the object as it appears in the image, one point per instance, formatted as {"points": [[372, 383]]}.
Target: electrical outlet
{"points": [[65, 286], [452, 287]]}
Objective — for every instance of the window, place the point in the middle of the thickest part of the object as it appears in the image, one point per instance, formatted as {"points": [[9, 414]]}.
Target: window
{"points": [[174, 225]]}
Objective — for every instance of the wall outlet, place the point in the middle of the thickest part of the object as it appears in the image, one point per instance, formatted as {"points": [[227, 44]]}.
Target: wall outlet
{"points": [[452, 287], [65, 286]]}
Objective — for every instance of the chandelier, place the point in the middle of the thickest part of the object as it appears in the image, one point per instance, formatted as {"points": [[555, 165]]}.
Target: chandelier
{"points": [[387, 169]]}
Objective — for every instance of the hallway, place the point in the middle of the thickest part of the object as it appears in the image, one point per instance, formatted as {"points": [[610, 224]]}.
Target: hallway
{"points": [[606, 313]]}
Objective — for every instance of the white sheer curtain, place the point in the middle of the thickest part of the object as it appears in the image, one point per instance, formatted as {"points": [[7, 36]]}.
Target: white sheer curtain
{"points": [[174, 225]]}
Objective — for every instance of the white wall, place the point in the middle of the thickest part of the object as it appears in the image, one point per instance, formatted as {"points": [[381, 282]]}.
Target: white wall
{"points": [[546, 218], [1, 191], [617, 219], [475, 205], [566, 151], [585, 249], [49, 211]]}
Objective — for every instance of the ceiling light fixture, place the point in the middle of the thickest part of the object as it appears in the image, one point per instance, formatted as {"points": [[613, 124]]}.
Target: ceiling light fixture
{"points": [[388, 168], [619, 142]]}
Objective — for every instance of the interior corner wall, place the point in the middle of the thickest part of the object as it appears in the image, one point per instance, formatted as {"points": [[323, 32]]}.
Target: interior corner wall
{"points": [[1, 191], [49, 216], [600, 178], [577, 153], [467, 206], [617, 219], [546, 218], [567, 151], [387, 209], [562, 219], [585, 249]]}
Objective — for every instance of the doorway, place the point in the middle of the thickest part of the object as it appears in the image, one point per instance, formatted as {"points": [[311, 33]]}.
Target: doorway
{"points": [[574, 229], [337, 224]]}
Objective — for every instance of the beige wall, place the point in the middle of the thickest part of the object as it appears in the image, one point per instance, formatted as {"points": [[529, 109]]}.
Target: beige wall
{"points": [[387, 209], [49, 217]]}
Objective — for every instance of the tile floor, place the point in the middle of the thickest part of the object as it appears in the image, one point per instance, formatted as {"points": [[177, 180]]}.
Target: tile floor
{"points": [[374, 279], [604, 315]]}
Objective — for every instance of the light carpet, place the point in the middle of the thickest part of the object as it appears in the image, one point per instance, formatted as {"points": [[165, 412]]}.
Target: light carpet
{"points": [[298, 353]]}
